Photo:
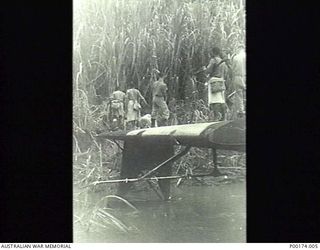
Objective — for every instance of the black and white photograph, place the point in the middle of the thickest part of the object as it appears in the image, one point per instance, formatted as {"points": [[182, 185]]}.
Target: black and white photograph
{"points": [[159, 131]]}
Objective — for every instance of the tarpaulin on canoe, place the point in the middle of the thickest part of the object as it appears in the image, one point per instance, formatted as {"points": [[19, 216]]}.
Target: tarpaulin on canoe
{"points": [[226, 135]]}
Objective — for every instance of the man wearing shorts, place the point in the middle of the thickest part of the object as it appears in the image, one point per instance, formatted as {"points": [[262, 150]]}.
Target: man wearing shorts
{"points": [[160, 111]]}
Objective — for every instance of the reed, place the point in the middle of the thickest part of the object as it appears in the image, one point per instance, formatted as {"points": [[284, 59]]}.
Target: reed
{"points": [[118, 41]]}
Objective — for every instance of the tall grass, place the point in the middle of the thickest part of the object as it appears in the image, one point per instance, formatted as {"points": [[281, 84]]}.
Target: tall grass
{"points": [[118, 41]]}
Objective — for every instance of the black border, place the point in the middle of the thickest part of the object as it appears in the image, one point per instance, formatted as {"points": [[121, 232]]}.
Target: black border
{"points": [[36, 122], [283, 111]]}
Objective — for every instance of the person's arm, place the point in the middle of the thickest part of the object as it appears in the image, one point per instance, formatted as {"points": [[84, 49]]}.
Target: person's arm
{"points": [[141, 97], [209, 68]]}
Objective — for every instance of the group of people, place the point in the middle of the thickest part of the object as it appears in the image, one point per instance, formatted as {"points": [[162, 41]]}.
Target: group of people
{"points": [[124, 109], [125, 105], [225, 81], [226, 84]]}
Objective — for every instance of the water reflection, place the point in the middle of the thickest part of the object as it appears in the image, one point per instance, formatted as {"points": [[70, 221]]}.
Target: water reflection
{"points": [[196, 214]]}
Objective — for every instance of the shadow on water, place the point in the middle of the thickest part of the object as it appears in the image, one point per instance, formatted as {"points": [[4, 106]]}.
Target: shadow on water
{"points": [[209, 214]]}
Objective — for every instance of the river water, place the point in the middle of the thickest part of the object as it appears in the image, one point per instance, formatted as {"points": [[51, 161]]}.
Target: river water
{"points": [[196, 214]]}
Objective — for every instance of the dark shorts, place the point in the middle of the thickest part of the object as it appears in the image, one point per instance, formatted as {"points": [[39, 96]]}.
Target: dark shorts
{"points": [[219, 110], [218, 107], [160, 109]]}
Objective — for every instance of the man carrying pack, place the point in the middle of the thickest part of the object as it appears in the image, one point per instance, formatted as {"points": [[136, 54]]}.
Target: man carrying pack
{"points": [[133, 106], [216, 86], [117, 108]]}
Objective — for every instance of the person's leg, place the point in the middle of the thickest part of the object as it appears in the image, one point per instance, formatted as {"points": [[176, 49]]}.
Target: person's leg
{"points": [[153, 122], [211, 112], [121, 116], [220, 112], [131, 125], [216, 113], [120, 122], [136, 124], [239, 107], [137, 118], [223, 111], [154, 113], [162, 122], [164, 113], [128, 127], [233, 112], [242, 111]]}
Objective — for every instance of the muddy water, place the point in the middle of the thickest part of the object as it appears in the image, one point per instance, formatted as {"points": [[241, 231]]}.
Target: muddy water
{"points": [[195, 214]]}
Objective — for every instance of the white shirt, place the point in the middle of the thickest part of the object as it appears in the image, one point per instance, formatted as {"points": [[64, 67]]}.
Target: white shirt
{"points": [[239, 64]]}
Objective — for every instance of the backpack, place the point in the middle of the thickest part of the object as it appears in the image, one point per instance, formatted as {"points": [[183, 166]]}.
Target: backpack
{"points": [[115, 104], [217, 84]]}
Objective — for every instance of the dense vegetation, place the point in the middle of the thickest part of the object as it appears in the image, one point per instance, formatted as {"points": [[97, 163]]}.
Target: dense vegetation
{"points": [[119, 41]]}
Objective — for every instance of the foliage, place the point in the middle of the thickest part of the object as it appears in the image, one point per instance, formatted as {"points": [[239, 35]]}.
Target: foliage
{"points": [[118, 41]]}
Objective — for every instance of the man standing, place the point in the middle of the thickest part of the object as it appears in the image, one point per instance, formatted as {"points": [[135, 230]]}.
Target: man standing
{"points": [[117, 107], [229, 92], [134, 97], [216, 86], [239, 81], [160, 111]]}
